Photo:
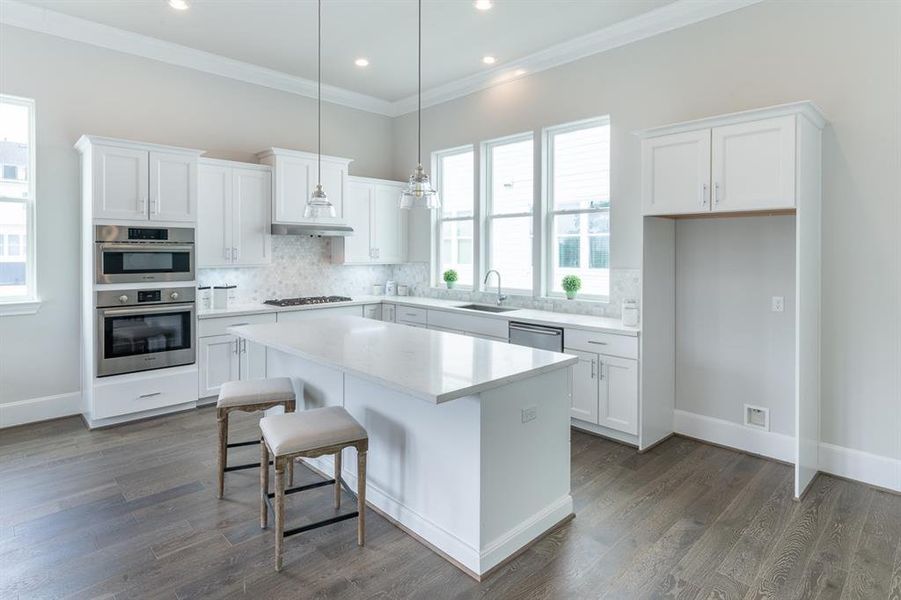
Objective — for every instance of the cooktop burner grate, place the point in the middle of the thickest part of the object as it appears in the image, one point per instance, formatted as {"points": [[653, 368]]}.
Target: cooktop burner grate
{"points": [[307, 300]]}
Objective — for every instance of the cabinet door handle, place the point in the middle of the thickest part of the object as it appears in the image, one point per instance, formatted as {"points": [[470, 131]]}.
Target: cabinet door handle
{"points": [[237, 344], [592, 368], [600, 370], [150, 395], [228, 253], [153, 207], [243, 346], [704, 195], [234, 254], [143, 204], [716, 192]]}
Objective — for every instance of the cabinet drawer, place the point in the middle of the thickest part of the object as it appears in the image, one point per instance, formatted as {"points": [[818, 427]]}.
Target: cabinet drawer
{"points": [[138, 394], [220, 325], [481, 326], [408, 314], [318, 313], [601, 343], [373, 311]]}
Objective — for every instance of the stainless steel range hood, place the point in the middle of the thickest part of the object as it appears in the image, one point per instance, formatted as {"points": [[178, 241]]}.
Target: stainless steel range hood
{"points": [[317, 229]]}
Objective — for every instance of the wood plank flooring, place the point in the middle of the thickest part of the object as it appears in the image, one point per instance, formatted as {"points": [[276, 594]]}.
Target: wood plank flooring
{"points": [[131, 512]]}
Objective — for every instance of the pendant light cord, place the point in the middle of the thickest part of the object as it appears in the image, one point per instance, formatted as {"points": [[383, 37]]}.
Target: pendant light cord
{"points": [[319, 96], [419, 92]]}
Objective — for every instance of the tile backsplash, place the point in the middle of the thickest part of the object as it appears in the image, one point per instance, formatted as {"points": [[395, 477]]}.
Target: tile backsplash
{"points": [[301, 266]]}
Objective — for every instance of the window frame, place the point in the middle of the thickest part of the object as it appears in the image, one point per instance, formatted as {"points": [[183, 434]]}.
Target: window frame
{"points": [[549, 212], [437, 220], [27, 303], [485, 150]]}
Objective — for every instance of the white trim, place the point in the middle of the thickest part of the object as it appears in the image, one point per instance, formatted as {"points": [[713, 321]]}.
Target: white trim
{"points": [[666, 18], [881, 471], [18, 14], [86, 140], [604, 432], [33, 410], [15, 308], [802, 107], [726, 433]]}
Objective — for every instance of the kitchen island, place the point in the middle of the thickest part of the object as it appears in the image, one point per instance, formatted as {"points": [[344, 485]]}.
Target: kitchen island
{"points": [[469, 438]]}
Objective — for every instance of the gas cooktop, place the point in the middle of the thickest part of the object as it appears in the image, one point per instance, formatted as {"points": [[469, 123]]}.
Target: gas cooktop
{"points": [[307, 300]]}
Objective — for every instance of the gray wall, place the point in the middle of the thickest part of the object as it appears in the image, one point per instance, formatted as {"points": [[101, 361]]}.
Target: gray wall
{"points": [[845, 56], [731, 350], [82, 89]]}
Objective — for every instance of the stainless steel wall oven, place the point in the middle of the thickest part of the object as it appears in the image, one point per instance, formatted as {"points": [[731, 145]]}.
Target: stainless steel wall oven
{"points": [[127, 254]]}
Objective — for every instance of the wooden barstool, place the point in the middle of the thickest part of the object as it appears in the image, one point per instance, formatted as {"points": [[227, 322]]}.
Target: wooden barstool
{"points": [[248, 396], [309, 434]]}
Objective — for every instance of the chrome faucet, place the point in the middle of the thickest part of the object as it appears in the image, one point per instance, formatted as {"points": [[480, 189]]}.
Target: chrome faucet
{"points": [[500, 296]]}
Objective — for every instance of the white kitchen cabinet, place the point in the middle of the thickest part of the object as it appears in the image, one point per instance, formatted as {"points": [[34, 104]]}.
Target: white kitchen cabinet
{"points": [[617, 393], [379, 224], [585, 386], [120, 182], [373, 311], [219, 361], [252, 360], [173, 187], [754, 165], [316, 313], [736, 163], [139, 182], [676, 173], [233, 214], [295, 177], [389, 312]]}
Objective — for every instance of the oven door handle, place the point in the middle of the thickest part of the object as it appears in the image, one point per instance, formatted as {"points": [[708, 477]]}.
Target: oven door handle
{"points": [[145, 310], [161, 247]]}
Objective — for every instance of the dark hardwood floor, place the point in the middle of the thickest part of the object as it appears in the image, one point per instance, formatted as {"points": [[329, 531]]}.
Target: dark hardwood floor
{"points": [[130, 512]]}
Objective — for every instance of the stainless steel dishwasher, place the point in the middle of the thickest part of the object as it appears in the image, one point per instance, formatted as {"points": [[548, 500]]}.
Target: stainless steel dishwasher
{"points": [[536, 336]]}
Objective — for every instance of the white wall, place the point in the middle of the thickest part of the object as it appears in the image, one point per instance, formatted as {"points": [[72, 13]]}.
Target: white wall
{"points": [[846, 57], [82, 89], [731, 350]]}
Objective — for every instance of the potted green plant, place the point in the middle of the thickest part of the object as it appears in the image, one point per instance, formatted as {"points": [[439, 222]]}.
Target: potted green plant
{"points": [[450, 278], [571, 284]]}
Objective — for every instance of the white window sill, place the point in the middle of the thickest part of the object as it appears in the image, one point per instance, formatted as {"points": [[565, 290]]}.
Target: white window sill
{"points": [[11, 308], [586, 299]]}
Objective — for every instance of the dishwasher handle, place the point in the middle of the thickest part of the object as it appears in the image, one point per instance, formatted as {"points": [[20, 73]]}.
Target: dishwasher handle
{"points": [[534, 329]]}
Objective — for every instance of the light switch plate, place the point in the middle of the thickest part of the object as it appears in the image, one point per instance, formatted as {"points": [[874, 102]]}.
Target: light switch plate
{"points": [[529, 414], [778, 304]]}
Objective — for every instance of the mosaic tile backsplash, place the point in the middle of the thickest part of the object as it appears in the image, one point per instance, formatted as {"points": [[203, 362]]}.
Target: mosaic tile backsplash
{"points": [[301, 266]]}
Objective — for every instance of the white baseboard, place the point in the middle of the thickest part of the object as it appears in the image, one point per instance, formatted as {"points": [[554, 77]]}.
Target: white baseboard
{"points": [[32, 410], [726, 433], [511, 541], [619, 436], [881, 471]]}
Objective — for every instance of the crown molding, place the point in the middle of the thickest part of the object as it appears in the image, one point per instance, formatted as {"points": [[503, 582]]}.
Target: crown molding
{"points": [[666, 18], [26, 16], [660, 20]]}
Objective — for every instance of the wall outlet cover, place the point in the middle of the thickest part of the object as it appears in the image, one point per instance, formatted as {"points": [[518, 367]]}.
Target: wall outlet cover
{"points": [[778, 304], [757, 417], [529, 414]]}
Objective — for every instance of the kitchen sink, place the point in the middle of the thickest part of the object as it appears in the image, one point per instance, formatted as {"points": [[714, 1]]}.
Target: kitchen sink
{"points": [[486, 308]]}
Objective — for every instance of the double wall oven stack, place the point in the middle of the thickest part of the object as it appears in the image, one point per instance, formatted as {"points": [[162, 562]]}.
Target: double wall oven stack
{"points": [[140, 329]]}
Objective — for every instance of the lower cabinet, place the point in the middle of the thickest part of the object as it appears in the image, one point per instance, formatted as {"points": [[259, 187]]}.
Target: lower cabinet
{"points": [[372, 311], [226, 358], [389, 311], [605, 391]]}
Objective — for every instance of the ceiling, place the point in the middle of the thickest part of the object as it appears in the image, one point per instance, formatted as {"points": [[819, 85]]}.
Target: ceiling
{"points": [[281, 34]]}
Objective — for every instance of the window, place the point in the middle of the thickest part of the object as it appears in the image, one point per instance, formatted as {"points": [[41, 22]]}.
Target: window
{"points": [[454, 175], [17, 199], [578, 194], [508, 209]]}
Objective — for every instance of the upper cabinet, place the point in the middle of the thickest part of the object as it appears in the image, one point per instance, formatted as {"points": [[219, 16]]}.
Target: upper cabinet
{"points": [[294, 178], [233, 214], [734, 163], [132, 182], [372, 208]]}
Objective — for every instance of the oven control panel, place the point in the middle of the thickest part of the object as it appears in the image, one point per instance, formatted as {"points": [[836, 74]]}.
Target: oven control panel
{"points": [[109, 298]]}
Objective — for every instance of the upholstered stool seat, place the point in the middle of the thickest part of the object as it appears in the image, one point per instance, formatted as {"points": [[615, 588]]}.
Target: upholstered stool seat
{"points": [[250, 395], [309, 434]]}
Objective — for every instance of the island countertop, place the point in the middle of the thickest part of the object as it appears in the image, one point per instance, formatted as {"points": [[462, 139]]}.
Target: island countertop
{"points": [[436, 366]]}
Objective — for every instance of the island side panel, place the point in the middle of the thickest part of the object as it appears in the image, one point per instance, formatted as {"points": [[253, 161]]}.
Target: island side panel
{"points": [[423, 466], [315, 385], [525, 476]]}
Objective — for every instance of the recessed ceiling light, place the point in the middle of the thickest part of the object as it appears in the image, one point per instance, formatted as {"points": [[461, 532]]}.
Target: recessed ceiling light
{"points": [[483, 4], [489, 60], [179, 4], [362, 62]]}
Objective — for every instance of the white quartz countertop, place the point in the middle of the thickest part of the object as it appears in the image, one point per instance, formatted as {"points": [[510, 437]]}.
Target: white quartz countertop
{"points": [[541, 317], [433, 365]]}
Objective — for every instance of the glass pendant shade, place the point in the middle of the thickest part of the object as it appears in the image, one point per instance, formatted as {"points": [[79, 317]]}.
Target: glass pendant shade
{"points": [[419, 192], [319, 205]]}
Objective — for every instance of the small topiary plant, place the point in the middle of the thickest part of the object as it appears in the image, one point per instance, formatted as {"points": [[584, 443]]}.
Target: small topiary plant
{"points": [[571, 284], [450, 278]]}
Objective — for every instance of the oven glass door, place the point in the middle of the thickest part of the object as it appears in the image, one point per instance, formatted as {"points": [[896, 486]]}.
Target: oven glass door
{"points": [[142, 338], [132, 263]]}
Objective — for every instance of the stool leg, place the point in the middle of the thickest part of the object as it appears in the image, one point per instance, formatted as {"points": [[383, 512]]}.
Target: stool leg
{"points": [[264, 484], [291, 473], [361, 497], [338, 479], [279, 511], [222, 419]]}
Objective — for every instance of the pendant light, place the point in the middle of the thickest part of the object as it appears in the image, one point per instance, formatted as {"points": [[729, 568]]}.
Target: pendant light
{"points": [[319, 205], [419, 192]]}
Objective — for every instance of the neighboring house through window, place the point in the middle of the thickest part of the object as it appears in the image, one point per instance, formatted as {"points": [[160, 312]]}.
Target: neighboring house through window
{"points": [[17, 280]]}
